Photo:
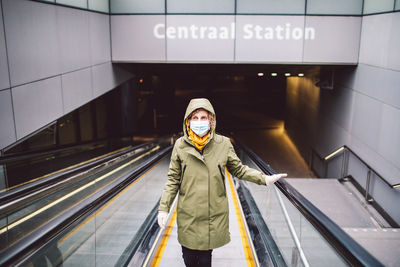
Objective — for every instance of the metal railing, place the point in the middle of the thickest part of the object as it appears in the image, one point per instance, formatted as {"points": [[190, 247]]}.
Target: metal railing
{"points": [[346, 151]]}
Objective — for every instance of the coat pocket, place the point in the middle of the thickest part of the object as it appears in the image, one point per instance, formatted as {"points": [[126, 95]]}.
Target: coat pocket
{"points": [[181, 180], [222, 177]]}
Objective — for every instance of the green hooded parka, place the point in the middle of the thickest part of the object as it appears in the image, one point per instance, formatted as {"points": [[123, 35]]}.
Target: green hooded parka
{"points": [[198, 176]]}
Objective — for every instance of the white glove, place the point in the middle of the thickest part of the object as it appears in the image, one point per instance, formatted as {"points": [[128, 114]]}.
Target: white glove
{"points": [[270, 179], [162, 218]]}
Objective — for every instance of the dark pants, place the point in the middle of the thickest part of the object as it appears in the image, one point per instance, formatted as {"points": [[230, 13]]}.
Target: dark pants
{"points": [[195, 258]]}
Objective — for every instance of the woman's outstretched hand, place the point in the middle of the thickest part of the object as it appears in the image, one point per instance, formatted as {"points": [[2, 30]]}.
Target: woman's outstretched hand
{"points": [[162, 218], [270, 179]]}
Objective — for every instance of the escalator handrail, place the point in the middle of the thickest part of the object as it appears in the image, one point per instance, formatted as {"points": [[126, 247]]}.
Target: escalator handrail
{"points": [[346, 246], [42, 235], [23, 190], [44, 152]]}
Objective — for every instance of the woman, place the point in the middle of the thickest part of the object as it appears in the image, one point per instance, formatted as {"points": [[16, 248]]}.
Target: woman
{"points": [[196, 170]]}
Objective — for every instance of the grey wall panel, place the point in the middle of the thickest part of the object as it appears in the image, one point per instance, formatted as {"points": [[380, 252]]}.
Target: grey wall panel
{"points": [[7, 130], [106, 77], [375, 37], [381, 164], [200, 6], [4, 76], [366, 120], [74, 3], [271, 6], [99, 31], [379, 83], [99, 5], [133, 38], [137, 6], [198, 47], [330, 136], [73, 36], [43, 107], [394, 43], [347, 7], [376, 6], [31, 31], [77, 89], [340, 103], [336, 41], [269, 45], [389, 141], [103, 79]]}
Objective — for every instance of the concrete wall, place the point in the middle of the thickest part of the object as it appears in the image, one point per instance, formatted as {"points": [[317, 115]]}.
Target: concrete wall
{"points": [[53, 59], [362, 111]]}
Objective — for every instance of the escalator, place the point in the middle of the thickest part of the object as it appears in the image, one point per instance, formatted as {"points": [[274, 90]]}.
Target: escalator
{"points": [[106, 216]]}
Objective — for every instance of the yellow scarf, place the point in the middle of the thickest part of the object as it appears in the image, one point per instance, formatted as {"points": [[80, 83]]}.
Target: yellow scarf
{"points": [[198, 141]]}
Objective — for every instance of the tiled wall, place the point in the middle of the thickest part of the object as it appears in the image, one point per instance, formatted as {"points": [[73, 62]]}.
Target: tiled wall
{"points": [[362, 111], [57, 58]]}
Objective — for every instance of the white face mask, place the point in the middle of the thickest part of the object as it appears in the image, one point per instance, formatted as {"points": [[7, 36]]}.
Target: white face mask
{"points": [[200, 127]]}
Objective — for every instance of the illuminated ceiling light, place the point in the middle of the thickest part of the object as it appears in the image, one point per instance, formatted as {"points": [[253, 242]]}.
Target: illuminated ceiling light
{"points": [[300, 74], [287, 74], [141, 80], [274, 74], [260, 74]]}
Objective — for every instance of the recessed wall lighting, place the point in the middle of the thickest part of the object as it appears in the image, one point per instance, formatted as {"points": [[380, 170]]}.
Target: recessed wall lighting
{"points": [[300, 74], [287, 74], [274, 74], [260, 74]]}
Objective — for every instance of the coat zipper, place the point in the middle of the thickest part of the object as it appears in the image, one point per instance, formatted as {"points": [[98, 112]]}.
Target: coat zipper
{"points": [[201, 152]]}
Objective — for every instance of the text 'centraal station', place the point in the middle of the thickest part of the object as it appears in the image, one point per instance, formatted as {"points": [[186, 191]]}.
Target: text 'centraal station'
{"points": [[247, 32]]}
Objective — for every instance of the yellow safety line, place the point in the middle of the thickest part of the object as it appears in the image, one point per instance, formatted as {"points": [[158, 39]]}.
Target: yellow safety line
{"points": [[78, 227], [160, 251], [67, 168], [245, 241]]}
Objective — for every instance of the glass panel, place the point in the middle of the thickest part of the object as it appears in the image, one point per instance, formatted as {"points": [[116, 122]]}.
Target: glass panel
{"points": [[99, 5], [287, 224], [76, 3], [36, 213], [137, 6], [101, 238], [271, 6], [59, 250], [338, 7], [377, 6], [201, 6]]}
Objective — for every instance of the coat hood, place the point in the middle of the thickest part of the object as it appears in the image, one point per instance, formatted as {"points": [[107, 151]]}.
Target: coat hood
{"points": [[197, 103]]}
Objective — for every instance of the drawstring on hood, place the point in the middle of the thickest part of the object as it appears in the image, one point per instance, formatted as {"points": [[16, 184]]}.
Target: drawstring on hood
{"points": [[189, 135]]}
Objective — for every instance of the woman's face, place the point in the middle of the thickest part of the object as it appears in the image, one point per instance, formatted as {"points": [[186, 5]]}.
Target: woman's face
{"points": [[200, 115]]}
